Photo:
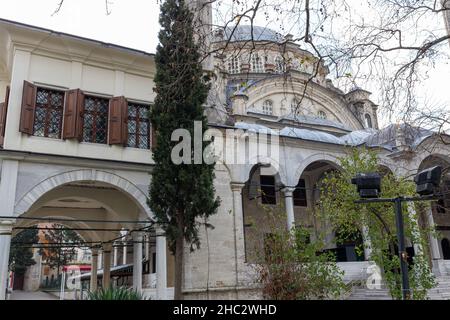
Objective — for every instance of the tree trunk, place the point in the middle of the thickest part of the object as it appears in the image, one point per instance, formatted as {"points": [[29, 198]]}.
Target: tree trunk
{"points": [[179, 250]]}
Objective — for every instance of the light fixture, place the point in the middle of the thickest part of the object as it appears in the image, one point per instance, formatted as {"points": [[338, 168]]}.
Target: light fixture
{"points": [[368, 185], [428, 180]]}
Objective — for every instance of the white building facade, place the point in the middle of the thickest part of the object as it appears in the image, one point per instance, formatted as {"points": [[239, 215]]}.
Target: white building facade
{"points": [[76, 146]]}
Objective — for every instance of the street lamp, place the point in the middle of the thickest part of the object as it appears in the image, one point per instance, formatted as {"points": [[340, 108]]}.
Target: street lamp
{"points": [[369, 188], [368, 185], [428, 180]]}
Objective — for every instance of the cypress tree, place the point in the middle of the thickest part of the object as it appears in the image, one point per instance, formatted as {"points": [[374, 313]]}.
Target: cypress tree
{"points": [[181, 196]]}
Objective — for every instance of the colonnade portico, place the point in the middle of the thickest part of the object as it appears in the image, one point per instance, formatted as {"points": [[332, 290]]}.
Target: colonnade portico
{"points": [[94, 267], [5, 243], [289, 203], [100, 204]]}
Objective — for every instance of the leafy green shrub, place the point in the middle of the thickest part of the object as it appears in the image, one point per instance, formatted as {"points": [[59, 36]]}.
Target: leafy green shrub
{"points": [[290, 267], [118, 293]]}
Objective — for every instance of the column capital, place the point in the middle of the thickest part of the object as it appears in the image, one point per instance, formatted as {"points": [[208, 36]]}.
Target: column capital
{"points": [[288, 191], [107, 246], [160, 232], [6, 227], [237, 186], [137, 235]]}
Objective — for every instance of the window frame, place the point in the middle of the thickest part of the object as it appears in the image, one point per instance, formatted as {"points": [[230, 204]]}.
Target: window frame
{"points": [[234, 65], [300, 196], [265, 106], [84, 112], [256, 63], [368, 120], [280, 65], [48, 109], [269, 197], [322, 115], [136, 134]]}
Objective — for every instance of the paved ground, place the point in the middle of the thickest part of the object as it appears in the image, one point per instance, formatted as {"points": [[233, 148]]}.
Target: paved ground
{"points": [[38, 295]]}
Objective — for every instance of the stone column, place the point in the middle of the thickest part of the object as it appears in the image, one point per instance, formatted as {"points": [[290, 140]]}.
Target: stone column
{"points": [[137, 261], [434, 243], [367, 243], [124, 258], [436, 258], [238, 225], [147, 247], [100, 259], [418, 250], [94, 267], [161, 265], [289, 203], [106, 280], [8, 183], [115, 255], [5, 244]]}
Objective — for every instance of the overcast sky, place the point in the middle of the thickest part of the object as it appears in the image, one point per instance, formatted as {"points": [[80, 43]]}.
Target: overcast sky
{"points": [[134, 24], [131, 23]]}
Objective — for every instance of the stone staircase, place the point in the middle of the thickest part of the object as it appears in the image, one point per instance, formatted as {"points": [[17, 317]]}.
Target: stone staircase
{"points": [[360, 293], [440, 292]]}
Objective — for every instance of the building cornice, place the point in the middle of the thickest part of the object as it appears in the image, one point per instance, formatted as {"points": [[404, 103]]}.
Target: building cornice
{"points": [[80, 161]]}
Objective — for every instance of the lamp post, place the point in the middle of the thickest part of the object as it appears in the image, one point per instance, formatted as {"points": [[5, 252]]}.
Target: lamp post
{"points": [[369, 188]]}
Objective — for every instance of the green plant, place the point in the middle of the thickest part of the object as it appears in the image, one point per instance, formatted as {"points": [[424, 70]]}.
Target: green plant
{"points": [[291, 267], [181, 194], [337, 206], [21, 256], [118, 293]]}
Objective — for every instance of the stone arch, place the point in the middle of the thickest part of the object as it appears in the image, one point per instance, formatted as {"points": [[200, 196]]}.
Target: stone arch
{"points": [[323, 157], [259, 160], [37, 191], [315, 92], [69, 223], [423, 158]]}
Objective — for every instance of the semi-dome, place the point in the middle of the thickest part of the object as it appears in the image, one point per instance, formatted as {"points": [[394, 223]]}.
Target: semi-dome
{"points": [[244, 33]]}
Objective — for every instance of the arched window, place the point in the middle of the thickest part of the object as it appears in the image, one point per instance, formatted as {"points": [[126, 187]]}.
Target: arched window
{"points": [[267, 107], [445, 244], [322, 115], [257, 64], [295, 106], [279, 65], [368, 120], [234, 65]]}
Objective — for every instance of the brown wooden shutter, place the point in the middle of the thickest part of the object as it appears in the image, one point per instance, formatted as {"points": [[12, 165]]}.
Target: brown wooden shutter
{"points": [[117, 129], [2, 122], [28, 107], [74, 102], [3, 113], [80, 115]]}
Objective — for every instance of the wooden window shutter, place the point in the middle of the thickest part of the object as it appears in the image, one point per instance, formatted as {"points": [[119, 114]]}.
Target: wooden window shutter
{"points": [[28, 108], [3, 113], [73, 116], [2, 122], [118, 114], [80, 115]]}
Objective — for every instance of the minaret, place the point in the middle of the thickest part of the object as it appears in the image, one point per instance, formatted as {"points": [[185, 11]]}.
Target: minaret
{"points": [[446, 5], [202, 10]]}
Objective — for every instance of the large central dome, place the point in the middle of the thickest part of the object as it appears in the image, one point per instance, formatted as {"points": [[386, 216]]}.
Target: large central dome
{"points": [[244, 33]]}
